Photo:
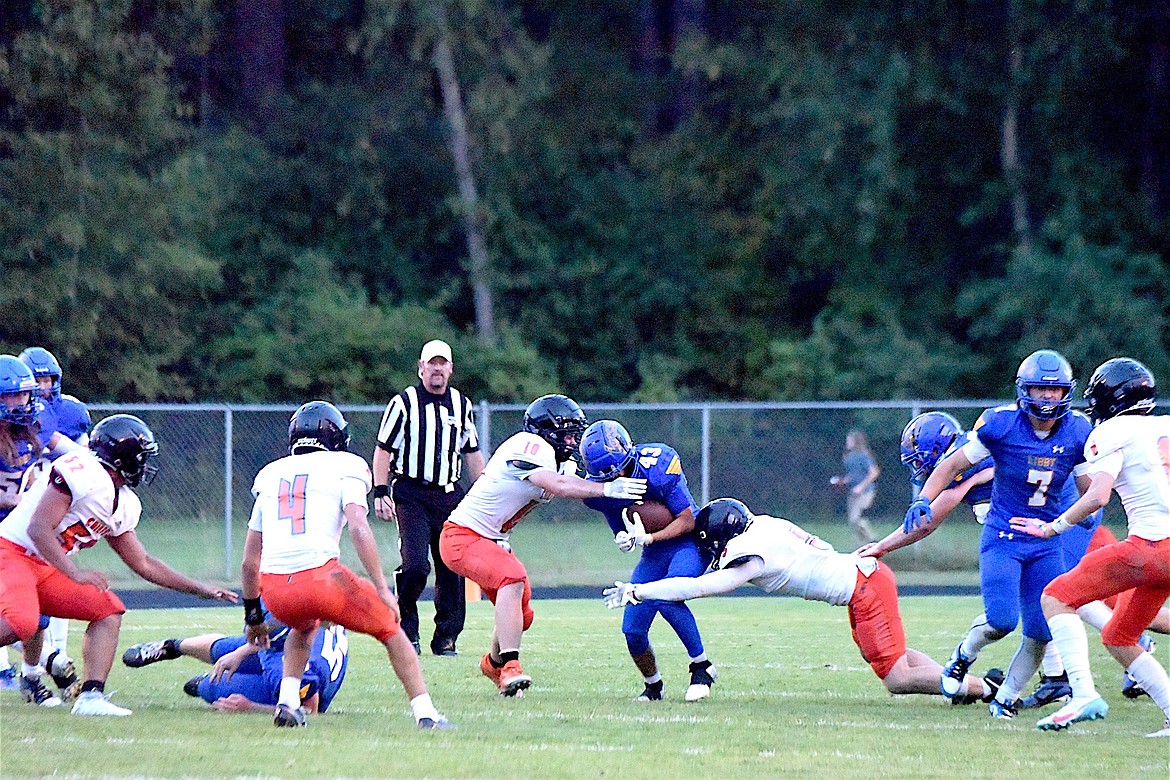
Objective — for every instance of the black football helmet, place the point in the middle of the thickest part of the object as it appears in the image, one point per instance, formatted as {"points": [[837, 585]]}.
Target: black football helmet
{"points": [[719, 522], [558, 420], [1120, 386], [317, 425], [127, 445]]}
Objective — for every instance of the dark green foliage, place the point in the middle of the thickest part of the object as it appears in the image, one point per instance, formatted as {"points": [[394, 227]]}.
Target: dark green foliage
{"points": [[679, 200]]}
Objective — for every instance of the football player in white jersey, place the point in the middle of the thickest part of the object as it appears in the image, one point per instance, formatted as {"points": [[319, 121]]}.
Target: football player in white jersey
{"points": [[781, 557], [85, 496], [1130, 453], [291, 558], [529, 468]]}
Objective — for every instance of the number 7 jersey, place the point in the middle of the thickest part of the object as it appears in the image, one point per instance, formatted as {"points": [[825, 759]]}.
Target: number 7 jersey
{"points": [[300, 507]]}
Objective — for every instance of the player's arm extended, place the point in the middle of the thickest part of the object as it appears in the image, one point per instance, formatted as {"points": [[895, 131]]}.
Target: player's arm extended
{"points": [[940, 507], [151, 569], [568, 486], [1096, 496], [710, 584]]}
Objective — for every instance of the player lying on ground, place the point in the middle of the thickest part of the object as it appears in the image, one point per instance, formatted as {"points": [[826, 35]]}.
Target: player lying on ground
{"points": [[246, 678], [780, 557]]}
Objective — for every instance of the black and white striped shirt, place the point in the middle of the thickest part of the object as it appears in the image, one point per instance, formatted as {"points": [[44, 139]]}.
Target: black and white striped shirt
{"points": [[428, 434]]}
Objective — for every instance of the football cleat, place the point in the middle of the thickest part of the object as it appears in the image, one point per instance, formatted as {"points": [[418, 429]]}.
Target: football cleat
{"points": [[35, 692], [64, 675], [513, 680], [1050, 690], [1001, 711], [191, 687], [1074, 712], [97, 703], [148, 653], [8, 681], [1165, 732], [654, 692], [489, 671], [703, 676], [435, 724], [992, 680], [954, 673], [286, 717], [1130, 688]]}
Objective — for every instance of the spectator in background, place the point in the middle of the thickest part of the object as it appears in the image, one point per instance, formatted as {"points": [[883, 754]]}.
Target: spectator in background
{"points": [[861, 472], [426, 436]]}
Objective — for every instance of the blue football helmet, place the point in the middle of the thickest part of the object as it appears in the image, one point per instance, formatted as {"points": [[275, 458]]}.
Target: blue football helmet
{"points": [[926, 440], [720, 521], [606, 450], [1045, 368], [16, 379], [42, 363]]}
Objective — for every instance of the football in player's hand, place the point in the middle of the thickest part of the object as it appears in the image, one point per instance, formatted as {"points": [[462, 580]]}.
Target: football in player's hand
{"points": [[655, 515]]}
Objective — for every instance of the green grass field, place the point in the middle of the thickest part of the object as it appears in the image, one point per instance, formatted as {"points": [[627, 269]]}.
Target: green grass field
{"points": [[794, 699]]}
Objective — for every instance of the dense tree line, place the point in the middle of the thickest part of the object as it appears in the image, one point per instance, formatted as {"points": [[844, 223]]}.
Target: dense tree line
{"points": [[254, 200]]}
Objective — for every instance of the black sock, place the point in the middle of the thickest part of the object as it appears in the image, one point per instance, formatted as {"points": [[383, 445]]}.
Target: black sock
{"points": [[94, 685], [171, 649], [514, 655]]}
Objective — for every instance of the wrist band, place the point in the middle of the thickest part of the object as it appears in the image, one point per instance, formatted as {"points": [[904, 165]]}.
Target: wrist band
{"points": [[253, 612], [381, 491], [1060, 525]]}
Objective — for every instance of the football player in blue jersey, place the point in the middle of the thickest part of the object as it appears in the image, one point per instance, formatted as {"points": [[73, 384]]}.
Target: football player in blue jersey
{"points": [[64, 421], [608, 453], [246, 678], [21, 442], [1035, 443]]}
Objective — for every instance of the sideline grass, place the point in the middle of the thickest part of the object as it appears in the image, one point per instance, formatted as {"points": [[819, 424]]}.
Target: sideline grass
{"points": [[794, 699]]}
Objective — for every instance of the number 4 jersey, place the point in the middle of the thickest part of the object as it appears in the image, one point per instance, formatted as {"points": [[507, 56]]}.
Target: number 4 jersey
{"points": [[300, 507], [96, 509]]}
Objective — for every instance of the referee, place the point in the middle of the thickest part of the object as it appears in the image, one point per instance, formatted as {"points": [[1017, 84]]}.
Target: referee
{"points": [[426, 436]]}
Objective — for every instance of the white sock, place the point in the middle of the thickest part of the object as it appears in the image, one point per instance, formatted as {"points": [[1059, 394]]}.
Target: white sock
{"points": [[656, 677], [1024, 664], [30, 671], [290, 692], [1051, 666], [1152, 677], [1096, 614], [980, 635], [422, 707], [697, 659], [1068, 634]]}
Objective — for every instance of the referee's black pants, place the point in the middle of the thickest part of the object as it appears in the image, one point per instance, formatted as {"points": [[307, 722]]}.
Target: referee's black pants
{"points": [[421, 512]]}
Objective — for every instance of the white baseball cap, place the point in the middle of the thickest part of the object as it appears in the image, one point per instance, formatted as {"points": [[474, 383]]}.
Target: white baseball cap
{"points": [[434, 349]]}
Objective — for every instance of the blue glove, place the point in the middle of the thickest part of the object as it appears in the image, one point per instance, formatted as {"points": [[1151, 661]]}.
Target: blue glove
{"points": [[917, 515]]}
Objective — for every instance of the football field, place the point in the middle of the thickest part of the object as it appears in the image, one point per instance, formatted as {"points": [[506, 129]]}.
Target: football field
{"points": [[793, 699]]}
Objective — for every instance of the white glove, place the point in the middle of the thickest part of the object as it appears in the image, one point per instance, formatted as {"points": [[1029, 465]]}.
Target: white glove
{"points": [[621, 594], [625, 488], [634, 528], [623, 541]]}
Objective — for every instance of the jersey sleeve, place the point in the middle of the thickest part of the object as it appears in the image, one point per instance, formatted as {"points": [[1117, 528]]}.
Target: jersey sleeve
{"points": [[390, 429], [974, 449], [525, 453], [356, 481], [1102, 453]]}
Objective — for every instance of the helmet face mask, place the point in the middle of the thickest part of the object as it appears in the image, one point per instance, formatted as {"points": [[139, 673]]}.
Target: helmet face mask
{"points": [[126, 444], [559, 421], [42, 363], [926, 440], [606, 450], [317, 425], [1045, 368], [16, 380], [719, 522], [1120, 386]]}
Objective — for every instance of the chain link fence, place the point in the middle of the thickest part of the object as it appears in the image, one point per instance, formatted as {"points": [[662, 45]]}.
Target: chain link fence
{"points": [[776, 457]]}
